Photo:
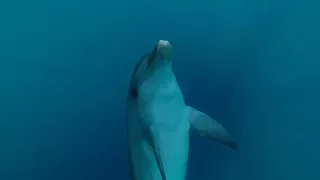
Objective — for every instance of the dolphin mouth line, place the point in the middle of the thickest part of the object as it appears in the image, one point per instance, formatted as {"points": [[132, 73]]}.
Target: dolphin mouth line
{"points": [[155, 56], [152, 61]]}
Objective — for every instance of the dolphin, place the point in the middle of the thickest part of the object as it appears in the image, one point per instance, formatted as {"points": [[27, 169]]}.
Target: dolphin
{"points": [[159, 122]]}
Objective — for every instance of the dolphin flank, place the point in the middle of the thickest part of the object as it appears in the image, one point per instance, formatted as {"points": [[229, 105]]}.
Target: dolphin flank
{"points": [[159, 121]]}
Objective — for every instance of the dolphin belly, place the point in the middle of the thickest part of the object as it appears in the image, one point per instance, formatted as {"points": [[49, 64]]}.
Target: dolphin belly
{"points": [[174, 147], [173, 143], [143, 162]]}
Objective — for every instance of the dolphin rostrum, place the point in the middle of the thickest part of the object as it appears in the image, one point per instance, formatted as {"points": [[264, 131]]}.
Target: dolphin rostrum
{"points": [[158, 120]]}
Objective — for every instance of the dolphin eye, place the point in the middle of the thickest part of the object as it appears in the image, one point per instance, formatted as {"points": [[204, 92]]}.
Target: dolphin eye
{"points": [[134, 93]]}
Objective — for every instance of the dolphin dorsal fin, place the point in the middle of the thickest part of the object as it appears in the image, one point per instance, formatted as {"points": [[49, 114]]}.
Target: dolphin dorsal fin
{"points": [[208, 127]]}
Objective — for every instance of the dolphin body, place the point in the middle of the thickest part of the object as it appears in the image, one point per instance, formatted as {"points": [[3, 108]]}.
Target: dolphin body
{"points": [[159, 121]]}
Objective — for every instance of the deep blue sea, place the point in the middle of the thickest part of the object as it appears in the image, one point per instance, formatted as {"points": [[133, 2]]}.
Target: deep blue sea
{"points": [[65, 66]]}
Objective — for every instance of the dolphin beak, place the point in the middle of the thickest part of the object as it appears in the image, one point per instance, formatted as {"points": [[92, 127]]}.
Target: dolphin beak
{"points": [[162, 51], [165, 49]]}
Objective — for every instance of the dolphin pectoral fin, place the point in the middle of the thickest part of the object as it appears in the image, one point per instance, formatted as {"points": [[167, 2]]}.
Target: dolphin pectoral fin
{"points": [[208, 127], [153, 142]]}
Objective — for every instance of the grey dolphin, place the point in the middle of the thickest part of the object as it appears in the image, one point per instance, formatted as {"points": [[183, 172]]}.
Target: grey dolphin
{"points": [[159, 121]]}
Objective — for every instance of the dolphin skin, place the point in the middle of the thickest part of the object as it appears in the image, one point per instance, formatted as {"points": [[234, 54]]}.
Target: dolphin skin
{"points": [[159, 121]]}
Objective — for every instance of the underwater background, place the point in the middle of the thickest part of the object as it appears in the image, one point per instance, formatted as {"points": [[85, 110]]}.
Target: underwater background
{"points": [[65, 65]]}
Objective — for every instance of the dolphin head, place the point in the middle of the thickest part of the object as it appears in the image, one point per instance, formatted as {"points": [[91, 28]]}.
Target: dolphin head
{"points": [[152, 69]]}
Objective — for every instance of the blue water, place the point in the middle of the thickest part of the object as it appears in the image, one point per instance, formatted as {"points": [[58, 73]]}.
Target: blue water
{"points": [[65, 67]]}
